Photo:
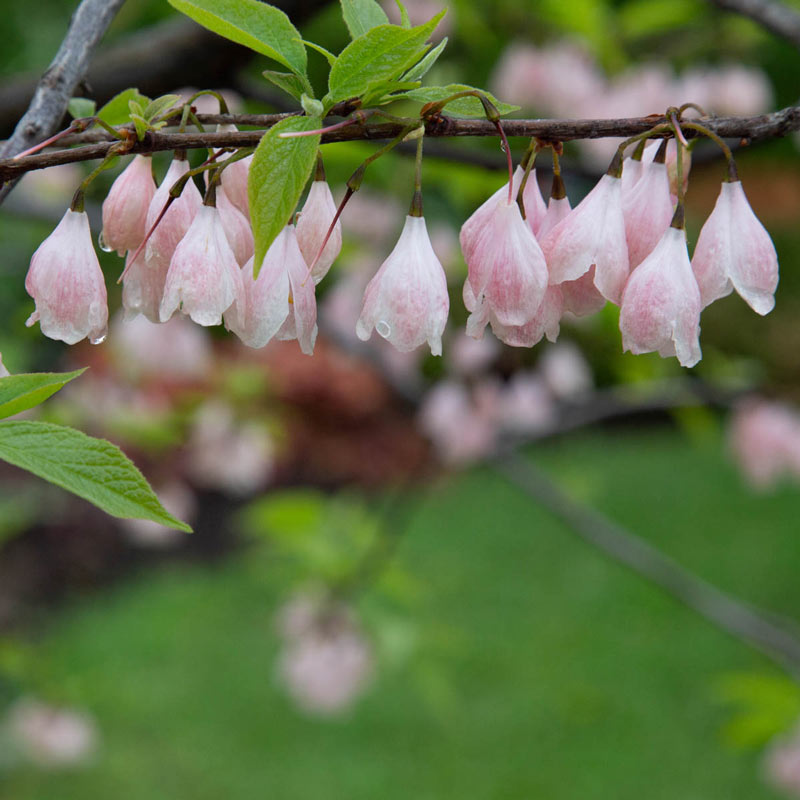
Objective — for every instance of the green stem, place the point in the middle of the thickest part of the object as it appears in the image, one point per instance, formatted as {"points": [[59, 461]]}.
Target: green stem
{"points": [[416, 202]]}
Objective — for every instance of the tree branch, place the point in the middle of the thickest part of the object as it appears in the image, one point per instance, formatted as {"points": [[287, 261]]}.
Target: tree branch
{"points": [[776, 17], [57, 85], [763, 126]]}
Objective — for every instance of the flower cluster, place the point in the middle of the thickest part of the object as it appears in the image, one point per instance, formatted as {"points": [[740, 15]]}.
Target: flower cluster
{"points": [[528, 263]]}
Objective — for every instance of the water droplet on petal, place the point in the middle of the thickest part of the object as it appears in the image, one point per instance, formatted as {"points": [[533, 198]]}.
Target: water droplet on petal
{"points": [[502, 145], [98, 339], [101, 243], [384, 329]]}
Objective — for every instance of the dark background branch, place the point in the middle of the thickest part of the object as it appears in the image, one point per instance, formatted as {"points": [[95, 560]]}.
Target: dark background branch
{"points": [[774, 16]]}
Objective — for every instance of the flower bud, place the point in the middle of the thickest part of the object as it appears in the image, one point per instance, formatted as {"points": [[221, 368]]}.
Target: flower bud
{"points": [[734, 251], [67, 284], [125, 207], [312, 227], [203, 278], [661, 305], [407, 301]]}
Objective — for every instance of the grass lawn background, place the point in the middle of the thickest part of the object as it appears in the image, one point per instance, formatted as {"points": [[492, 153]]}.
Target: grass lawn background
{"points": [[565, 676]]}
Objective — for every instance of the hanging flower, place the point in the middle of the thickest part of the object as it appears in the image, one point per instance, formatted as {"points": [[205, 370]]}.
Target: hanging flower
{"points": [[648, 209], [67, 284], [237, 227], [407, 301], [203, 278], [661, 305], [735, 251], [175, 223], [125, 206], [507, 272], [143, 287], [592, 235], [312, 228]]}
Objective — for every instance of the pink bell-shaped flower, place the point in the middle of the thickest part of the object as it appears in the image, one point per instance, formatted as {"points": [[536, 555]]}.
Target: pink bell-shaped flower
{"points": [[558, 208], [471, 229], [661, 305], [580, 296], [406, 301], [301, 323], [734, 251], [125, 207], [280, 303], [312, 228], [237, 227], [143, 288], [203, 278], [67, 284], [175, 223], [647, 208], [507, 274], [593, 234], [234, 182], [257, 315]]}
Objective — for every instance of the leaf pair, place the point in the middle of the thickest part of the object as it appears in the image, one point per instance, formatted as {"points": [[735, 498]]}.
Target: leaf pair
{"points": [[93, 469]]}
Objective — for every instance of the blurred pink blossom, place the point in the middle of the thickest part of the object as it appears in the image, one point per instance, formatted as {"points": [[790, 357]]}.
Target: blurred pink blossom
{"points": [[565, 371], [230, 456], [51, 737], [782, 764], [764, 438], [326, 662]]}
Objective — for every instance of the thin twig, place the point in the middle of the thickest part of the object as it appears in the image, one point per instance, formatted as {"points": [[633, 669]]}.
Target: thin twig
{"points": [[762, 126], [763, 630], [776, 17]]}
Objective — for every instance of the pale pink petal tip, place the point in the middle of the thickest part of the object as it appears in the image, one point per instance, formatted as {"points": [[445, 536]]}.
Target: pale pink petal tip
{"points": [[660, 309], [734, 251], [407, 301], [126, 205], [67, 284]]}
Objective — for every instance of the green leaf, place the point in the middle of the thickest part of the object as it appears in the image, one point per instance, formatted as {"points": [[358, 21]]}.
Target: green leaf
{"points": [[421, 68], [21, 392], [140, 123], [278, 175], [381, 54], [361, 16], [80, 107], [386, 92], [157, 107], [117, 110], [91, 468], [287, 81], [256, 25], [330, 57], [405, 21], [464, 106]]}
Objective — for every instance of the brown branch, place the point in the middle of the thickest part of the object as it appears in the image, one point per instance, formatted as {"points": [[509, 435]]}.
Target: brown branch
{"points": [[763, 126], [776, 17]]}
